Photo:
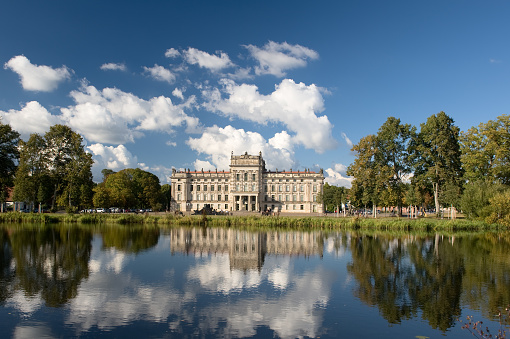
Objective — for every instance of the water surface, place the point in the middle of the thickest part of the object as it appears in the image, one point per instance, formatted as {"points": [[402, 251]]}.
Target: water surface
{"points": [[116, 281]]}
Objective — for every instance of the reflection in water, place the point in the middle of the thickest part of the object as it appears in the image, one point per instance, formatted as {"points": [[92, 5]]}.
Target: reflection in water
{"points": [[46, 263], [234, 283], [246, 249]]}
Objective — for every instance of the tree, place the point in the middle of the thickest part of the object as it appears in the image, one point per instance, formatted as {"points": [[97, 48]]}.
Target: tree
{"points": [[70, 167], [393, 157], [33, 181], [106, 172], [9, 155], [475, 199], [366, 186], [437, 156], [129, 188], [332, 197], [166, 195], [486, 151], [382, 165]]}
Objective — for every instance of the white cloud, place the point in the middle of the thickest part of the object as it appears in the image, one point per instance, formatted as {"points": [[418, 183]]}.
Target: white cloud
{"points": [[114, 158], [171, 143], [218, 143], [172, 53], [205, 60], [32, 118], [337, 176], [113, 67], [160, 73], [116, 117], [275, 58], [347, 140], [241, 74], [294, 105], [37, 78], [178, 93]]}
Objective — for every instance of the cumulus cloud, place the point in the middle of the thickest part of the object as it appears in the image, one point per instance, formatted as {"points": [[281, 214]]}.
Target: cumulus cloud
{"points": [[203, 59], [275, 58], [116, 117], [160, 73], [37, 78], [338, 176], [172, 53], [178, 93], [32, 118], [114, 158], [294, 105], [217, 144], [113, 67]]}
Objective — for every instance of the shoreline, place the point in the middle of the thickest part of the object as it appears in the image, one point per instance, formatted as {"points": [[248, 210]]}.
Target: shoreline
{"points": [[428, 224]]}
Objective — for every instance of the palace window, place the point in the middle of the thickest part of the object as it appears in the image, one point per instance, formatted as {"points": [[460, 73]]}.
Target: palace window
{"points": [[226, 197], [253, 177], [179, 188], [245, 176], [205, 188]]}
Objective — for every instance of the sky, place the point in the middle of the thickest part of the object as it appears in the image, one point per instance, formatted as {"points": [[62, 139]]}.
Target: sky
{"points": [[184, 84]]}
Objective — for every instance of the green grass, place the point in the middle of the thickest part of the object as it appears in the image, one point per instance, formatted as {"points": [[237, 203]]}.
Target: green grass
{"points": [[383, 224]]}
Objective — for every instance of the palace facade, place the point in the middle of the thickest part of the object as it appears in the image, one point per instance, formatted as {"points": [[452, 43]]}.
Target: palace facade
{"points": [[248, 187]]}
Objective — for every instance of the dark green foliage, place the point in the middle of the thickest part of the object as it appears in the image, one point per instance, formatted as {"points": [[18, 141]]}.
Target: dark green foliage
{"points": [[9, 155]]}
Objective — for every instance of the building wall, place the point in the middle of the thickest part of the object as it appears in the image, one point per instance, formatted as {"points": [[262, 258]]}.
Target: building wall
{"points": [[248, 186]]}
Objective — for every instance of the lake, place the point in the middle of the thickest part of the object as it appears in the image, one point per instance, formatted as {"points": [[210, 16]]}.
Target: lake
{"points": [[117, 281]]}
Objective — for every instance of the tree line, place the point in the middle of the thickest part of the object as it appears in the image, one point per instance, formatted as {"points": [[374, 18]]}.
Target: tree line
{"points": [[53, 171], [433, 167]]}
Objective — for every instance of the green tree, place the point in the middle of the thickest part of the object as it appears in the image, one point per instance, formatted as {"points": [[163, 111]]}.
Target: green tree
{"points": [[70, 167], [166, 196], [436, 152], [333, 197], [475, 199], [366, 185], [486, 151], [394, 157], [33, 182], [9, 155], [129, 188]]}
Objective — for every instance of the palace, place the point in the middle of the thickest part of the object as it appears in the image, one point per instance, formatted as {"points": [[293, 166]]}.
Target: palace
{"points": [[248, 187]]}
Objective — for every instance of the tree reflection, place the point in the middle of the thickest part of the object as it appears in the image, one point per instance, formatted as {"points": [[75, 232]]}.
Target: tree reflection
{"points": [[7, 274], [51, 261], [487, 277], [129, 239], [402, 276]]}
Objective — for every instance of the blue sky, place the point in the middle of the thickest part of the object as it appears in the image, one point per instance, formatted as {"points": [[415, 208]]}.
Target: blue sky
{"points": [[182, 84]]}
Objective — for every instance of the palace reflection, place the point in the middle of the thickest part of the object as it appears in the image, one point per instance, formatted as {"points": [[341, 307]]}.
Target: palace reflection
{"points": [[246, 250]]}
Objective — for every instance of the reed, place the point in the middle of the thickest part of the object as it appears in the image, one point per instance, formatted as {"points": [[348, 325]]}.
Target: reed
{"points": [[325, 223]]}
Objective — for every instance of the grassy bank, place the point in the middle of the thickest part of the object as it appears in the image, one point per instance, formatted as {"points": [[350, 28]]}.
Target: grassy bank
{"points": [[403, 224]]}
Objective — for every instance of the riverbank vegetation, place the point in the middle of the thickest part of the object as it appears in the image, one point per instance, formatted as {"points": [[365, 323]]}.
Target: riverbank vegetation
{"points": [[291, 222], [434, 169]]}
